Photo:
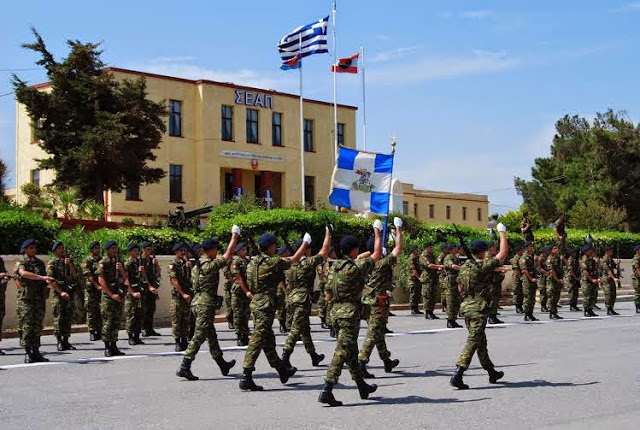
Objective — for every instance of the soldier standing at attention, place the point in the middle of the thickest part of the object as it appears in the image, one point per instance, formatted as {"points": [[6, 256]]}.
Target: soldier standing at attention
{"points": [[516, 279], [152, 283], [452, 269], [475, 277], [379, 288], [228, 285], [529, 280], [181, 297], [543, 270], [495, 291], [345, 284], [525, 228], [62, 270], [589, 280], [113, 280], [429, 280], [133, 305], [264, 274], [92, 291], [240, 295], [33, 300], [19, 309], [635, 269], [4, 279], [205, 279], [414, 277], [554, 281], [609, 280], [444, 251], [281, 295], [572, 279]]}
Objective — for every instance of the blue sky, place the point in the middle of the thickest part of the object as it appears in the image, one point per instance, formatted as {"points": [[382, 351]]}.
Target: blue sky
{"points": [[471, 89]]}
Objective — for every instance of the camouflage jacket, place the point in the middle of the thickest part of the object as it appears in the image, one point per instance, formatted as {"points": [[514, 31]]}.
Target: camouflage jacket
{"points": [[527, 262], [414, 264], [495, 278], [442, 275], [346, 281], [134, 273], [90, 267], [151, 270], [542, 266], [58, 271], [178, 269], [573, 266], [452, 274], [322, 270], [635, 267], [555, 263], [264, 274], [591, 266], [607, 264], [205, 277], [107, 269], [515, 267], [33, 290], [3, 281], [301, 278], [228, 277], [238, 266], [476, 280], [380, 280], [427, 275]]}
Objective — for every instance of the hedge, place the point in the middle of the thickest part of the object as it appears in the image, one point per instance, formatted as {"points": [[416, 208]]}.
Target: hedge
{"points": [[17, 225]]}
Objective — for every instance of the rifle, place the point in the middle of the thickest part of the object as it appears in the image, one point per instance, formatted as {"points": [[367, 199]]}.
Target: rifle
{"points": [[463, 244], [334, 238], [254, 247], [287, 244]]}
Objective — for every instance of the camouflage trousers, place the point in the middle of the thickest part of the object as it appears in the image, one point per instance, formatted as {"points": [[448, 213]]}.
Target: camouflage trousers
{"points": [[610, 293], [329, 308], [262, 339], [228, 308], [149, 305], [429, 294], [3, 297], [62, 314], [415, 292], [241, 312], [553, 294], [375, 336], [518, 295], [204, 330], [636, 289], [79, 312], [453, 299], [529, 292], [346, 352], [476, 343], [589, 293], [281, 305], [496, 293], [322, 304], [33, 312], [300, 328], [92, 305], [573, 287], [180, 312], [111, 312], [442, 289], [134, 314], [543, 291]]}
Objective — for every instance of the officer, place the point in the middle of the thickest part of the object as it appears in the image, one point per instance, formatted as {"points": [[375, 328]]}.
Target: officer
{"points": [[609, 280], [181, 296], [543, 270], [516, 279], [572, 279], [452, 267], [525, 228], [62, 270], [113, 281], [281, 295], [32, 300], [414, 279], [497, 277], [589, 279], [635, 269], [529, 280], [92, 291], [475, 277], [205, 278], [429, 280], [133, 302], [264, 274], [376, 295], [4, 280], [554, 281], [240, 294], [151, 284]]}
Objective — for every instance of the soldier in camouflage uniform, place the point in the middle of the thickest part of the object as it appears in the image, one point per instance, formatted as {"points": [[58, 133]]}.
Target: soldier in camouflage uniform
{"points": [[301, 279], [181, 296], [529, 280], [194, 253], [554, 281], [414, 278], [62, 270], [635, 269], [240, 295], [322, 271], [589, 279], [572, 279], [133, 304], [4, 279], [113, 282], [516, 279], [32, 301], [327, 268], [496, 286], [16, 279], [452, 269], [344, 286], [92, 292], [543, 270], [376, 294], [152, 275], [559, 227], [228, 285], [264, 274], [442, 277], [475, 277], [429, 280], [205, 279], [609, 280], [281, 295]]}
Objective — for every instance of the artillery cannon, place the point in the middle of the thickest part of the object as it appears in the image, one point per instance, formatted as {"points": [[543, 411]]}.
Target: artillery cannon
{"points": [[187, 220]]}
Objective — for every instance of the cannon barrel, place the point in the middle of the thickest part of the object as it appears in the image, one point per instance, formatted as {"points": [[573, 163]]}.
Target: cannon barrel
{"points": [[197, 212]]}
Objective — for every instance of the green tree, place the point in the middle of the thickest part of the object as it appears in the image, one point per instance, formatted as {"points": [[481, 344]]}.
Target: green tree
{"points": [[593, 215], [513, 220], [98, 133], [595, 161], [4, 178]]}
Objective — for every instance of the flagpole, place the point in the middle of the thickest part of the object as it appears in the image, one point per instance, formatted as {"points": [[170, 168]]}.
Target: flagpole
{"points": [[301, 128], [364, 105], [386, 218], [335, 85]]}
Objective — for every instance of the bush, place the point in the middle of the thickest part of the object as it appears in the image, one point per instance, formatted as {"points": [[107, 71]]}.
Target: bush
{"points": [[18, 224]]}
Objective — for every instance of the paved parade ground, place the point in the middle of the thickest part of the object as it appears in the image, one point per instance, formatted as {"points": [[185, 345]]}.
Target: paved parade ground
{"points": [[559, 374]]}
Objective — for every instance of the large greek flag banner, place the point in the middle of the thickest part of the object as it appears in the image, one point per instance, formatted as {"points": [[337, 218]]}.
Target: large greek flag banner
{"points": [[362, 181]]}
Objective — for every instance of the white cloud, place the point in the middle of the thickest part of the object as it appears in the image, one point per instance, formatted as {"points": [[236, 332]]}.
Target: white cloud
{"points": [[478, 14], [382, 38], [629, 7], [177, 59], [393, 54]]}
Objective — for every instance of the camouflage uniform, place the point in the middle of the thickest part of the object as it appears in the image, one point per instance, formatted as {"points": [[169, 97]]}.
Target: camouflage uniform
{"points": [[429, 281], [62, 308], [134, 308], [495, 292], [554, 287], [110, 310], [228, 285], [635, 267], [589, 289], [180, 309], [572, 285], [281, 303], [3, 294], [375, 296], [321, 271], [326, 267], [542, 262], [442, 281], [19, 308], [516, 281], [239, 300], [607, 282], [149, 299], [416, 286], [32, 301], [92, 296], [452, 293], [527, 262]]}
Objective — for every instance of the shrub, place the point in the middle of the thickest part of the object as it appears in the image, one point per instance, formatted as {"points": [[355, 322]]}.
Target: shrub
{"points": [[18, 224]]}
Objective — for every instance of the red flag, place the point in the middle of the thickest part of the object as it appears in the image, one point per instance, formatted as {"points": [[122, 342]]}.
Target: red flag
{"points": [[346, 65]]}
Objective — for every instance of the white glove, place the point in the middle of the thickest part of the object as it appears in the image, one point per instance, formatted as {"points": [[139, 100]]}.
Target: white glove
{"points": [[501, 228], [384, 251], [307, 238], [397, 222], [377, 224], [235, 229]]}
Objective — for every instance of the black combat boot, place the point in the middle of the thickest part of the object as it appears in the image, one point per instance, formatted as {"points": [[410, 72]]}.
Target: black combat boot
{"points": [[638, 309], [38, 355], [2, 352], [185, 370], [391, 314], [530, 317], [389, 364], [116, 350], [178, 344], [247, 384], [595, 306], [519, 309], [555, 316], [98, 335], [494, 375], [283, 327], [365, 372], [93, 336], [323, 323], [20, 337], [434, 316], [184, 343], [231, 325], [152, 332], [610, 311], [239, 340], [286, 355], [225, 366], [493, 320], [316, 359], [245, 339], [60, 345], [68, 345], [591, 313], [132, 340], [108, 352], [285, 372], [544, 309], [386, 330], [137, 339], [332, 332], [453, 324], [29, 357], [365, 389], [456, 379], [326, 395], [415, 310]]}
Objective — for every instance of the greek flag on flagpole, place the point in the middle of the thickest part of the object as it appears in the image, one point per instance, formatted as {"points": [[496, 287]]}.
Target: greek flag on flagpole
{"points": [[314, 40], [362, 181]]}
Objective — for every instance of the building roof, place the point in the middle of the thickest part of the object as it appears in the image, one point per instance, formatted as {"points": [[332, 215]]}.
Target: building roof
{"points": [[411, 189]]}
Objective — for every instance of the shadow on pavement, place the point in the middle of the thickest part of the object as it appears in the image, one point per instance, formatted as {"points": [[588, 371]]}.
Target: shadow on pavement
{"points": [[535, 384], [411, 400]]}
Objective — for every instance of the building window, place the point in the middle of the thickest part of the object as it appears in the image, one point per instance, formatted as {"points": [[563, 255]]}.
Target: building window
{"points": [[133, 191], [448, 212], [175, 183], [415, 210], [432, 211], [35, 177], [405, 208], [340, 133], [308, 135], [227, 123], [276, 129], [175, 118], [257, 185], [252, 126], [479, 214], [310, 191], [464, 213], [35, 127]]}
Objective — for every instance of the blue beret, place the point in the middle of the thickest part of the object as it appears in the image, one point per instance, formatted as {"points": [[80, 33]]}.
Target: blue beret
{"points": [[585, 248], [297, 244], [132, 246], [266, 240], [517, 248], [145, 244], [282, 250], [177, 246], [56, 245], [608, 248], [636, 248], [209, 244], [347, 243], [542, 250], [527, 244], [371, 243], [571, 251], [239, 246], [412, 248], [478, 246], [93, 244], [26, 244], [426, 245], [109, 244]]}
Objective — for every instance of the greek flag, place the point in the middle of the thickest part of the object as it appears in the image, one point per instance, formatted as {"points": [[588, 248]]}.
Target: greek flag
{"points": [[362, 181], [306, 40]]}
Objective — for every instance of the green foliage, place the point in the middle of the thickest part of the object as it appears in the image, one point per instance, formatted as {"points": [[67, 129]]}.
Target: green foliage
{"points": [[35, 197], [18, 224], [593, 215], [513, 219], [4, 178], [248, 203], [128, 220], [90, 209]]}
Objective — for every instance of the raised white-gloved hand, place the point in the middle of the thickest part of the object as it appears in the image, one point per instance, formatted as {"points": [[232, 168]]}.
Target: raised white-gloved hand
{"points": [[384, 251], [397, 221], [377, 224], [501, 228], [307, 238], [235, 229]]}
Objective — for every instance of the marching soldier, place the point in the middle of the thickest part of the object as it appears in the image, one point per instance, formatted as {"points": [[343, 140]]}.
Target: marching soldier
{"points": [[345, 284], [444, 251], [635, 269], [92, 291], [205, 279], [281, 296], [327, 268], [113, 280], [63, 272], [529, 280], [181, 296], [414, 276], [240, 294], [429, 280], [322, 282], [589, 280], [228, 285], [452, 268], [475, 277], [609, 280], [554, 281], [516, 279], [543, 270], [133, 303], [572, 279], [152, 276], [4, 280], [495, 291]]}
